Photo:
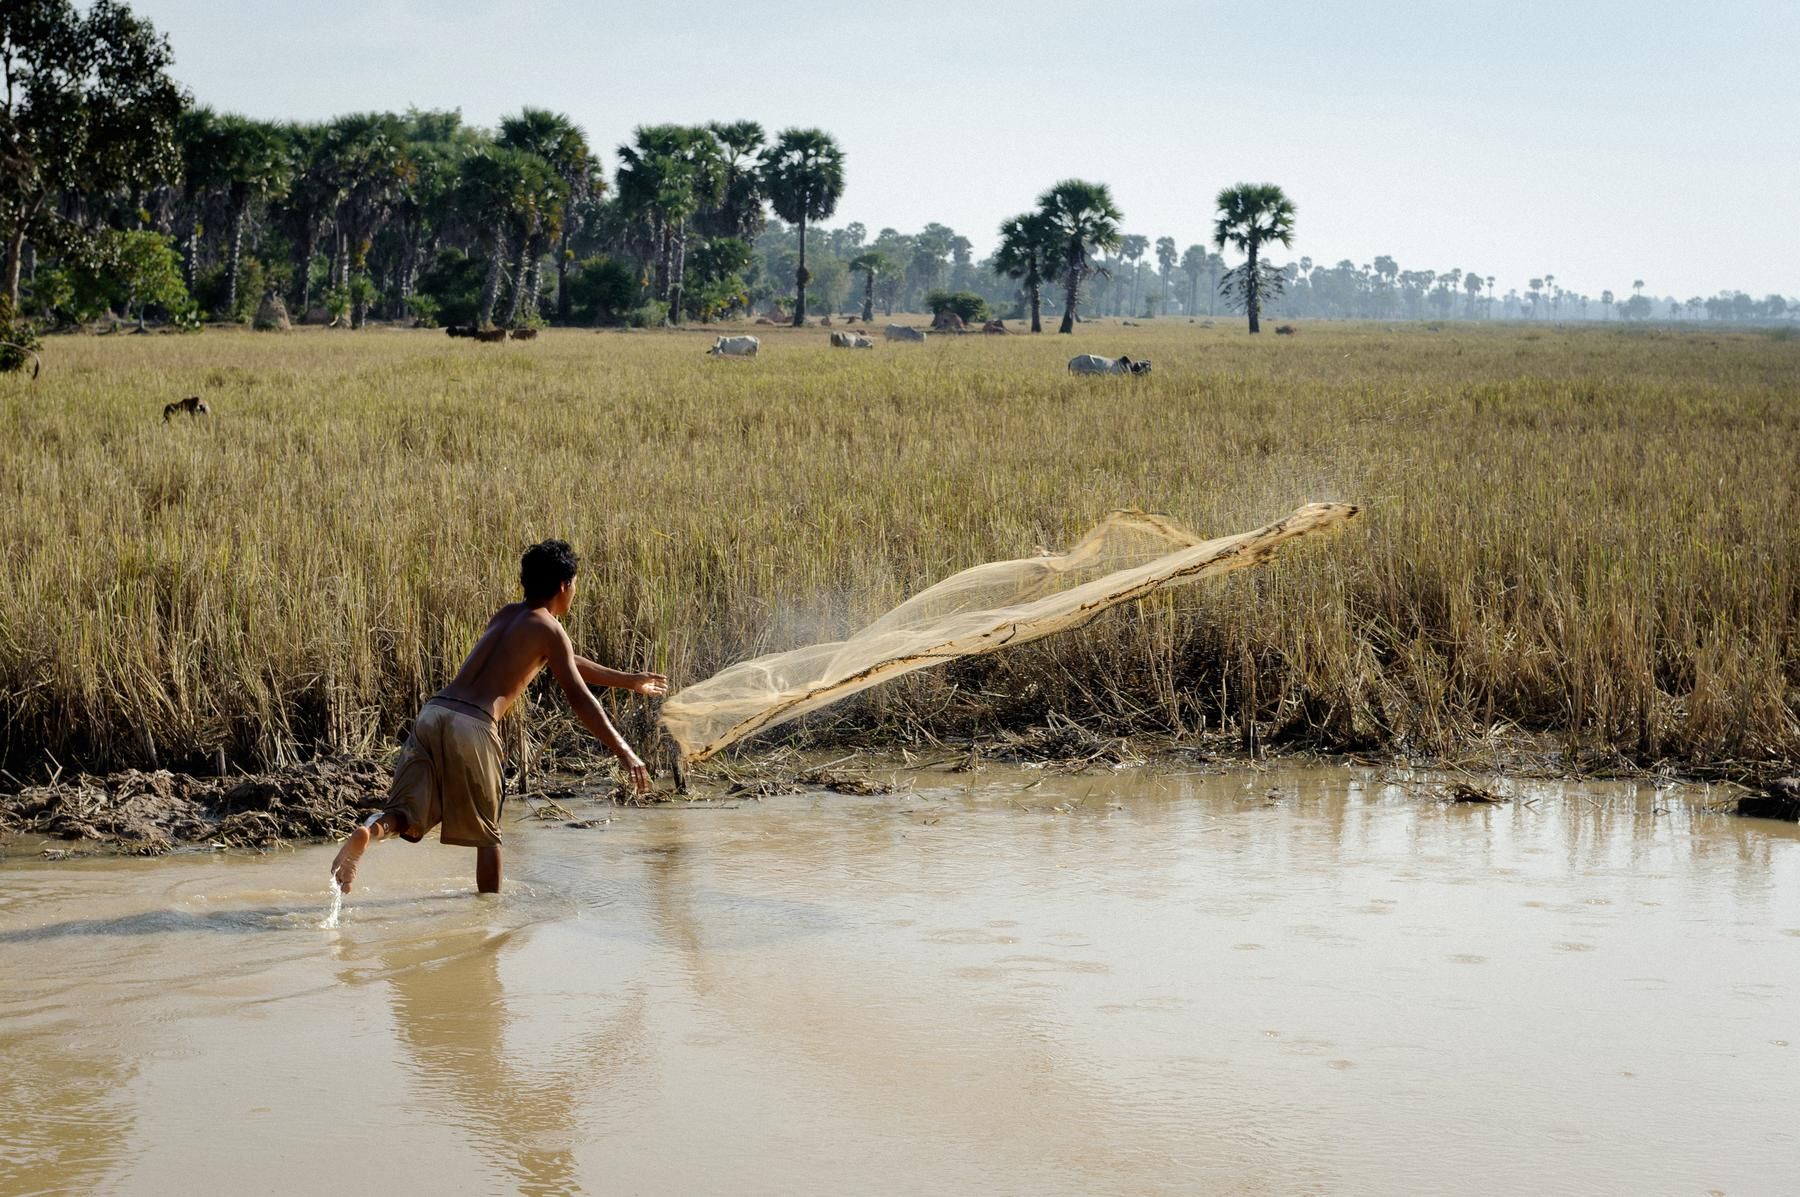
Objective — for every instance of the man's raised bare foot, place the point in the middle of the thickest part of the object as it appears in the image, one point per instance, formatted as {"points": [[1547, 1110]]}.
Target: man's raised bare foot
{"points": [[343, 869]]}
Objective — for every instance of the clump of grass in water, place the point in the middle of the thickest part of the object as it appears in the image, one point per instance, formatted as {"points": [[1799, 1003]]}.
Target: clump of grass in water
{"points": [[1573, 535]]}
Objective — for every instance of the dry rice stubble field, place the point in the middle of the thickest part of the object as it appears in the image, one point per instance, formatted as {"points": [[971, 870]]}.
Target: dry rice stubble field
{"points": [[1586, 532]]}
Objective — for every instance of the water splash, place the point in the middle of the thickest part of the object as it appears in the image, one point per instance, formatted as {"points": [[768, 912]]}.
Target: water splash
{"points": [[330, 921]]}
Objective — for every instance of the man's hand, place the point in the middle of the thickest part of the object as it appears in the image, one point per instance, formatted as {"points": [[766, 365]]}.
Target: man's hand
{"points": [[650, 685], [636, 770]]}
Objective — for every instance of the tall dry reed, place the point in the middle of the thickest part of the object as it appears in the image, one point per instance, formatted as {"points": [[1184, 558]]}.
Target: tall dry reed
{"points": [[1591, 532]]}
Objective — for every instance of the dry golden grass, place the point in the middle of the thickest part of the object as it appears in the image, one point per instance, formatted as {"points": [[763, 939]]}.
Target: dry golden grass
{"points": [[1589, 532]]}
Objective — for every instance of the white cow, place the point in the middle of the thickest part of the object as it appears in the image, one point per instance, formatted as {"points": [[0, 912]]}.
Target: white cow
{"points": [[900, 332], [1093, 363], [850, 340], [734, 347]]}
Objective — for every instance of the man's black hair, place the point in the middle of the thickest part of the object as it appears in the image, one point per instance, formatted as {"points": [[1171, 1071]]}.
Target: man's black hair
{"points": [[545, 567]]}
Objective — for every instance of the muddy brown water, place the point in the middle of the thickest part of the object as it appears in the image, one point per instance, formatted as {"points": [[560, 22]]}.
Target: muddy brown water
{"points": [[1292, 981]]}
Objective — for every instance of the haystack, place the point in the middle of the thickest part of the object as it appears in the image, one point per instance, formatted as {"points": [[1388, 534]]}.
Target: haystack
{"points": [[272, 315]]}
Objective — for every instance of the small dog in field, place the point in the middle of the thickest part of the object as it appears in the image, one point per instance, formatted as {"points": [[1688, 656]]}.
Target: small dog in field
{"points": [[193, 405]]}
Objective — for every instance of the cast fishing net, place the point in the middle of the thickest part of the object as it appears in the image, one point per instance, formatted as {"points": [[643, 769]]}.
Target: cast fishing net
{"points": [[979, 610]]}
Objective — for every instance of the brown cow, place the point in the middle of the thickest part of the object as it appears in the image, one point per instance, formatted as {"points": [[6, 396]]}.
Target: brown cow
{"points": [[488, 336], [1286, 330], [193, 405], [524, 334]]}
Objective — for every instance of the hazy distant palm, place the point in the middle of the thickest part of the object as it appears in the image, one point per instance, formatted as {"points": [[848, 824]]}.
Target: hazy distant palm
{"points": [[1165, 261], [1131, 248], [1082, 218], [1028, 244], [1193, 264], [255, 167], [1250, 216], [803, 173], [872, 264]]}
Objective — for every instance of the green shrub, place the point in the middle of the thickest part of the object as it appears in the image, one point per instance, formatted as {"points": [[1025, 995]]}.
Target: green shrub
{"points": [[971, 307], [601, 291]]}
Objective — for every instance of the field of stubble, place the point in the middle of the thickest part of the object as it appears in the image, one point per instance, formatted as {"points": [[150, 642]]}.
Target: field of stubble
{"points": [[1588, 533]]}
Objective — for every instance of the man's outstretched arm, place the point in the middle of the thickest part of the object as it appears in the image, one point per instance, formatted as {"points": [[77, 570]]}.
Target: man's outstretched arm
{"points": [[652, 685], [566, 670]]}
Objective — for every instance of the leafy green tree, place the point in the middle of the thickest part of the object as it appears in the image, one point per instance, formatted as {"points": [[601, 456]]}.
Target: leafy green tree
{"points": [[1083, 219], [1028, 249], [602, 290], [88, 109], [493, 188], [970, 307], [803, 174], [370, 170], [873, 264], [147, 271], [205, 172], [1250, 216]]}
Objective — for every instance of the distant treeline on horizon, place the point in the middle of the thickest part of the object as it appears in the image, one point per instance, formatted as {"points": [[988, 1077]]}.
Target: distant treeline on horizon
{"points": [[120, 197]]}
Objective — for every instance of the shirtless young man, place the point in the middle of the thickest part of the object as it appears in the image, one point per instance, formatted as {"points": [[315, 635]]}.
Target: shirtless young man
{"points": [[449, 771]]}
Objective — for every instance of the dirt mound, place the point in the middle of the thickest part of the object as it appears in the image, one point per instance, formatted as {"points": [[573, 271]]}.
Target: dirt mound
{"points": [[272, 316], [150, 813]]}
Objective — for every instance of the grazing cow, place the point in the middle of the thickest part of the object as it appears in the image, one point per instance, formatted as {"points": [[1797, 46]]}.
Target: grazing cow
{"points": [[460, 330], [734, 347], [1093, 363], [900, 332], [994, 326], [850, 340], [947, 321], [524, 334], [1286, 330], [193, 405], [490, 336]]}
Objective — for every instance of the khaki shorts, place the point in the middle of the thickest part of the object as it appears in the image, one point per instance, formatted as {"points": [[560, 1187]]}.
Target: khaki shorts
{"points": [[449, 773]]}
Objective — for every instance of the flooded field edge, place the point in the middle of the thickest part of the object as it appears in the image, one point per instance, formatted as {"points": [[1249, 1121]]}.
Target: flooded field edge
{"points": [[148, 813]]}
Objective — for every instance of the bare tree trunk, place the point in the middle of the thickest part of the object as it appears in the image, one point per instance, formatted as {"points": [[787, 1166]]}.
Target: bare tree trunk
{"points": [[562, 271], [521, 278], [868, 312], [678, 281], [231, 269], [1252, 289], [1035, 290], [800, 277], [1071, 294], [490, 290], [15, 255]]}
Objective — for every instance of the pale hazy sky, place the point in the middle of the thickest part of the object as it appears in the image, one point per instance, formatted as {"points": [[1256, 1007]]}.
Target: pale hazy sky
{"points": [[1597, 140]]}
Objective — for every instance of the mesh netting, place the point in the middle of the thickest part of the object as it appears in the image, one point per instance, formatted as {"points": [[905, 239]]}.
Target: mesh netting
{"points": [[979, 610]]}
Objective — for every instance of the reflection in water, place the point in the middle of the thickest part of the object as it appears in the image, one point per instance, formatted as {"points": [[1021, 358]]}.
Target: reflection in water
{"points": [[1116, 983], [521, 1110]]}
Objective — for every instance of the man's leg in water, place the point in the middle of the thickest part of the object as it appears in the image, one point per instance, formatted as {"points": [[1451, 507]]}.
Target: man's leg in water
{"points": [[343, 869], [487, 870]]}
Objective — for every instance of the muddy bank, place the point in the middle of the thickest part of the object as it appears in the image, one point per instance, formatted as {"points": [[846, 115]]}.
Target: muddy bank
{"points": [[148, 813]]}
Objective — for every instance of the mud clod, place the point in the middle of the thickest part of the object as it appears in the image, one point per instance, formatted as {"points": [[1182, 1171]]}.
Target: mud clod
{"points": [[149, 813]]}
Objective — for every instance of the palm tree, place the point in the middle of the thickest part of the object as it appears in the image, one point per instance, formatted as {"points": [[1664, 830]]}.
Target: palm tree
{"points": [[668, 174], [1165, 259], [205, 170], [1472, 284], [256, 167], [1250, 215], [872, 263], [1028, 245], [803, 173], [366, 157], [560, 142], [1131, 248], [1193, 264], [739, 211], [1082, 218], [494, 188]]}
